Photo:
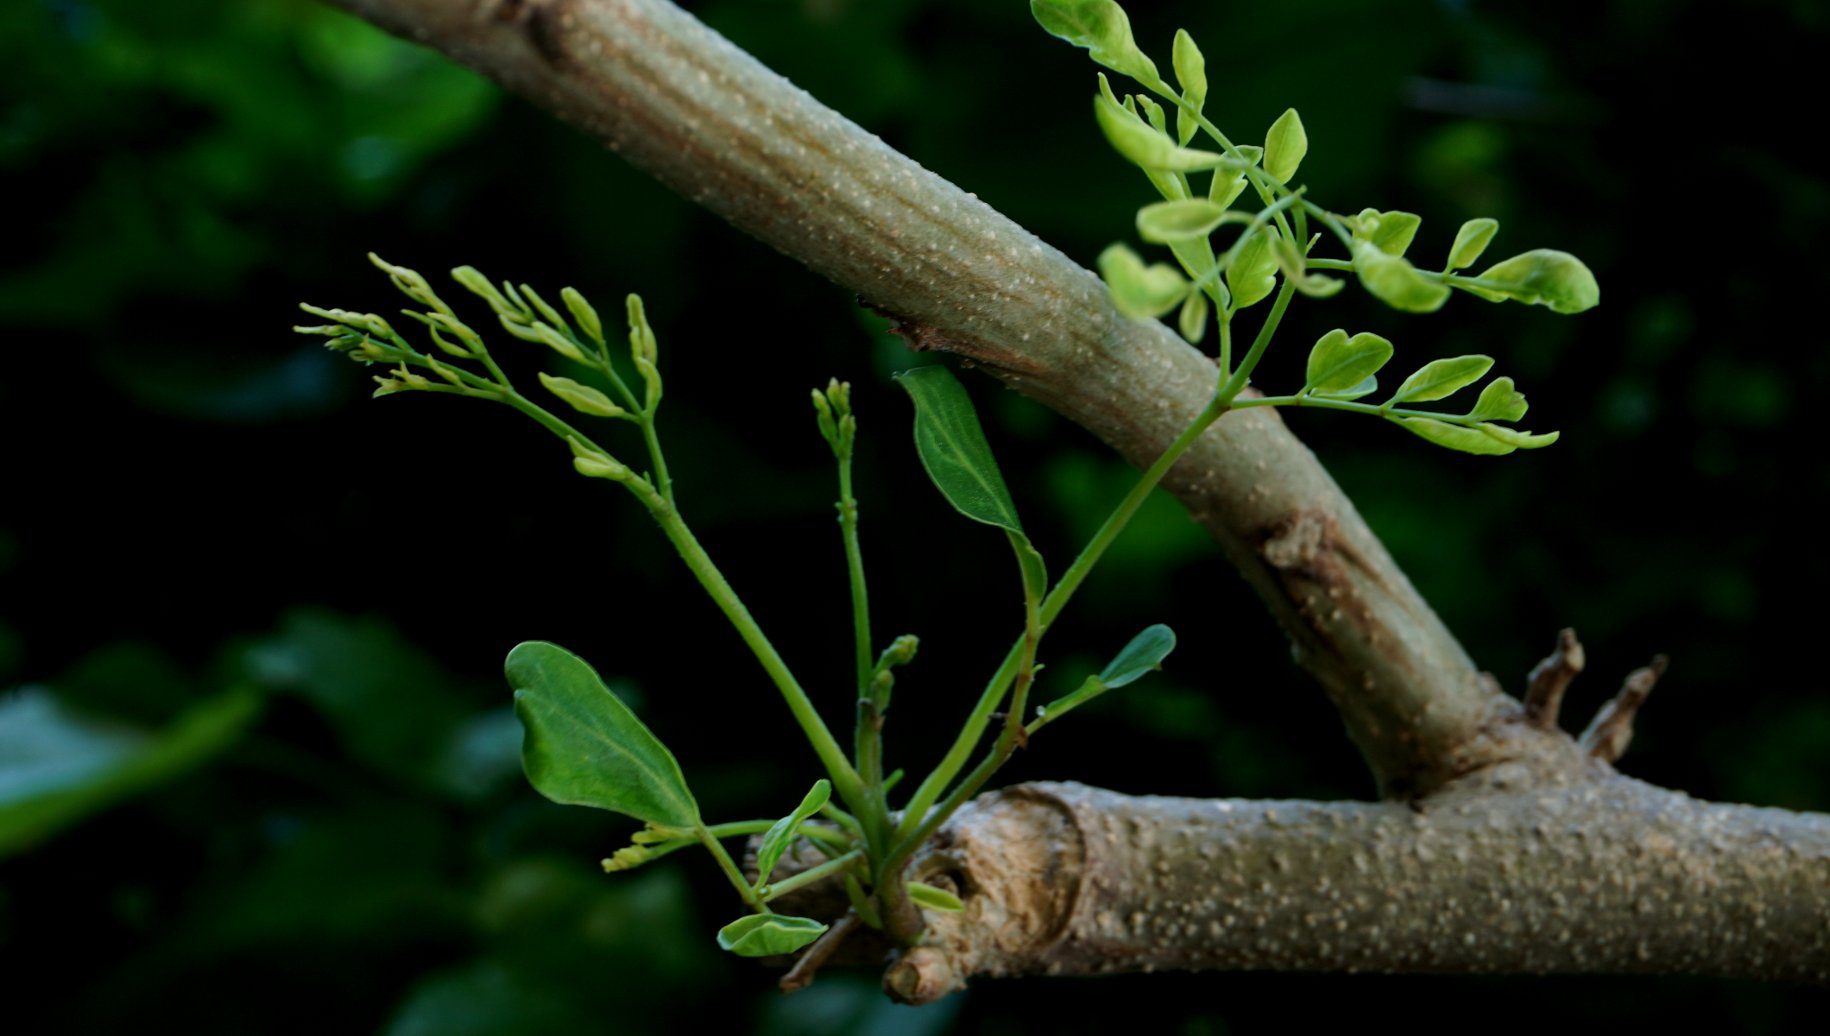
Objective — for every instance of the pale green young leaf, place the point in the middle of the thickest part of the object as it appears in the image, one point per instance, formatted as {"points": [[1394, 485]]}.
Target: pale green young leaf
{"points": [[1440, 379], [1102, 28], [1341, 364], [953, 448], [1499, 401], [1142, 655], [1196, 256], [1252, 274], [934, 898], [580, 397], [1471, 240], [1294, 266], [1192, 320], [1364, 388], [1229, 182], [1285, 144], [1191, 71], [780, 835], [1394, 281], [1143, 145], [583, 747], [1152, 113], [1138, 291], [1389, 232], [1166, 222], [1543, 276], [768, 935], [1520, 439], [1456, 437]]}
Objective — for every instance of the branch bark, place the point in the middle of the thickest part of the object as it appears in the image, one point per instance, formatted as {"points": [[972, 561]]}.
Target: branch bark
{"points": [[1600, 873], [684, 104]]}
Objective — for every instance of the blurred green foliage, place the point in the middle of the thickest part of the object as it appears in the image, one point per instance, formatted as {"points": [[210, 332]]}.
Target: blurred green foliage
{"points": [[200, 512]]}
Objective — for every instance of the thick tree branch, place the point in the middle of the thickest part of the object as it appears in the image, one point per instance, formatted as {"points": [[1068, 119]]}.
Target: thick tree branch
{"points": [[1597, 874], [709, 121]]}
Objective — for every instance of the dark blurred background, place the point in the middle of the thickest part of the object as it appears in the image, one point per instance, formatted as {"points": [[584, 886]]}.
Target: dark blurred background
{"points": [[260, 775]]}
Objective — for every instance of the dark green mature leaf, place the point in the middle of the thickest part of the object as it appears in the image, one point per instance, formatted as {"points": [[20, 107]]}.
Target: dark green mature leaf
{"points": [[953, 448], [1340, 364], [776, 840], [1144, 654], [584, 747], [57, 768], [768, 935], [1439, 379], [1543, 276], [1102, 28]]}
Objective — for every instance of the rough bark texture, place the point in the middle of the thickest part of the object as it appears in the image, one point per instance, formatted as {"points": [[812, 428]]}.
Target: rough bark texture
{"points": [[703, 117], [1507, 846], [1598, 873]]}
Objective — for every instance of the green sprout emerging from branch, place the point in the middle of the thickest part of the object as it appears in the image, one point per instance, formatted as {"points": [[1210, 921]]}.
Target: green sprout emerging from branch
{"points": [[584, 746], [1274, 244]]}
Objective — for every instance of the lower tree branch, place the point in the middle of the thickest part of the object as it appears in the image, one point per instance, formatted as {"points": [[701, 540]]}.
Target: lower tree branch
{"points": [[1600, 873], [712, 123]]}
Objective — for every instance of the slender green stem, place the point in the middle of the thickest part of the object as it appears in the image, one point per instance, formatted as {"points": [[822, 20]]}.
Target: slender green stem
{"points": [[867, 911], [811, 875], [867, 736], [844, 778], [731, 873], [917, 818], [1226, 342], [663, 481], [1243, 376], [1355, 407], [854, 567]]}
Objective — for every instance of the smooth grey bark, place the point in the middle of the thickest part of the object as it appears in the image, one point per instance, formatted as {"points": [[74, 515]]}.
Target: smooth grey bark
{"points": [[1508, 846]]}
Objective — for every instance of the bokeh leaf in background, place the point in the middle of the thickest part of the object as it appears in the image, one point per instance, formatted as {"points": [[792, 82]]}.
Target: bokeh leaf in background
{"points": [[57, 767]]}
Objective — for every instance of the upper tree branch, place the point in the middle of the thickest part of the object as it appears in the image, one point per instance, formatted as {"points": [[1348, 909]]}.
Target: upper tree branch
{"points": [[709, 121]]}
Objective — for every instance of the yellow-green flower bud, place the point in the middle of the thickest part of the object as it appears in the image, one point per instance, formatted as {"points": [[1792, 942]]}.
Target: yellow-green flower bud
{"points": [[558, 343], [642, 344], [583, 313], [594, 463], [582, 398]]}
